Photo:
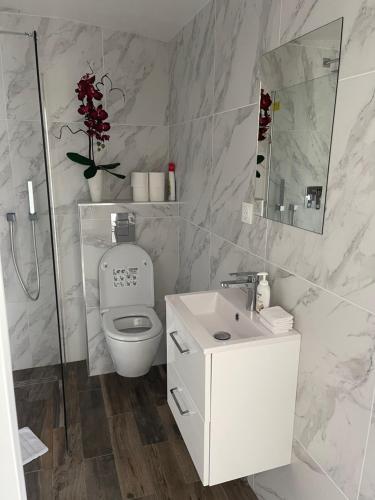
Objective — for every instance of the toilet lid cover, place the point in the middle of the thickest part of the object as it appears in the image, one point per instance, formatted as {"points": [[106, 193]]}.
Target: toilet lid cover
{"points": [[126, 277]]}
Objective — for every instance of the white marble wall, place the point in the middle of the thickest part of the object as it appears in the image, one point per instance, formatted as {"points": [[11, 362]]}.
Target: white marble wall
{"points": [[139, 134], [326, 281], [156, 232], [32, 325]]}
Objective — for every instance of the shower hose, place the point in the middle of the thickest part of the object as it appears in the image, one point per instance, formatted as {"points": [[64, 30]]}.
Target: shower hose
{"points": [[12, 219]]}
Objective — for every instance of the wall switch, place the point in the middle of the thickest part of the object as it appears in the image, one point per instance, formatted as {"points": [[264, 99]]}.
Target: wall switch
{"points": [[247, 213], [259, 207]]}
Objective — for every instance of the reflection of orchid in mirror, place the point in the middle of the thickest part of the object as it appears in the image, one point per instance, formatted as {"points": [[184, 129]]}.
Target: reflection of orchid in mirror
{"points": [[264, 115]]}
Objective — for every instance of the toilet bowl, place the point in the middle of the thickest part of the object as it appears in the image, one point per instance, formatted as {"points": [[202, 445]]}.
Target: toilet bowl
{"points": [[131, 327]]}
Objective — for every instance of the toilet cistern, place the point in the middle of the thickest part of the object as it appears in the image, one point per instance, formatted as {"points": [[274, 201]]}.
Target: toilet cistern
{"points": [[244, 279]]}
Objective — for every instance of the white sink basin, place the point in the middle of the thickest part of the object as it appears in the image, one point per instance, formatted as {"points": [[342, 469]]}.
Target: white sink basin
{"points": [[207, 313], [217, 314]]}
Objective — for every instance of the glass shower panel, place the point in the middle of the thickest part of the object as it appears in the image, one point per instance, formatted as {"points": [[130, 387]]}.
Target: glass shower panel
{"points": [[33, 324]]}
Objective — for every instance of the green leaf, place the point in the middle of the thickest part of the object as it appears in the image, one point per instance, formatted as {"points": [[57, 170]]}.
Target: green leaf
{"points": [[109, 166], [120, 176], [77, 158], [90, 172]]}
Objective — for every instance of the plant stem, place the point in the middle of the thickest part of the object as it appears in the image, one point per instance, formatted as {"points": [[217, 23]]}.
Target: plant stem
{"points": [[91, 149]]}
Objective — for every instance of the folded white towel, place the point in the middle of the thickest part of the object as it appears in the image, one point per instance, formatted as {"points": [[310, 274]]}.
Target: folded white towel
{"points": [[276, 315], [31, 446], [281, 324], [276, 330]]}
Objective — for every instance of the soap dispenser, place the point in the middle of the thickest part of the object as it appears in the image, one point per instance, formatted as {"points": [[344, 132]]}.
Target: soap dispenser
{"points": [[263, 292]]}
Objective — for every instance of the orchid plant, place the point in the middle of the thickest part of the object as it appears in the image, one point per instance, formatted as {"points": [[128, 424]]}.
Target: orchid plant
{"points": [[96, 126], [264, 115]]}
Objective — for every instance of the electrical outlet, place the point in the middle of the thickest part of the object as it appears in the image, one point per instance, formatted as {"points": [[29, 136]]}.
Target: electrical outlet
{"points": [[247, 213]]}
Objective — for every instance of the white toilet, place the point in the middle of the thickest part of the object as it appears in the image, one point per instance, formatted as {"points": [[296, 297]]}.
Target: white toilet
{"points": [[131, 326]]}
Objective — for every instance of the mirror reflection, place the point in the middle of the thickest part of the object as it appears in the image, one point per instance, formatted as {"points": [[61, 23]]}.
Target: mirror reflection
{"points": [[297, 104]]}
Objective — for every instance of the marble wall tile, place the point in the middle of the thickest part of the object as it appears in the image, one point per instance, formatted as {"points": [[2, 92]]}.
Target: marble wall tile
{"points": [[336, 376], [304, 479], [61, 64], [192, 68], [68, 241], [270, 38], [139, 66], [95, 241], [159, 237], [99, 359], [7, 201], [137, 149], [12, 288], [194, 265], [233, 178], [239, 40], [19, 69], [67, 49], [367, 489], [341, 260], [68, 183], [227, 258], [3, 109], [43, 330], [75, 337], [302, 16], [191, 150], [19, 335]]}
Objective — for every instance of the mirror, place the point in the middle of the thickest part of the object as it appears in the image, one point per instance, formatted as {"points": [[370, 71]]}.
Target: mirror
{"points": [[297, 106]]}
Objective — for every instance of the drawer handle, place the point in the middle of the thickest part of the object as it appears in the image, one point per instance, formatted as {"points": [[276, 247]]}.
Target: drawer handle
{"points": [[179, 407], [173, 337]]}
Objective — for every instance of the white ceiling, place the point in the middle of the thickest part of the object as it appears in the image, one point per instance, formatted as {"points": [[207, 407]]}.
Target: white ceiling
{"points": [[160, 19]]}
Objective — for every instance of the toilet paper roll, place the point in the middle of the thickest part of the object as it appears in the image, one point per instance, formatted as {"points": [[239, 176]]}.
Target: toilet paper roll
{"points": [[139, 184], [139, 179], [140, 193], [157, 186]]}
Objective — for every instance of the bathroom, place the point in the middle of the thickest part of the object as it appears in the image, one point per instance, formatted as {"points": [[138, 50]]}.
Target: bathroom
{"points": [[183, 86]]}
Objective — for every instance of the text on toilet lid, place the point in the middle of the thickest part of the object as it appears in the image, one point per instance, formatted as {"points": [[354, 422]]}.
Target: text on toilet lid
{"points": [[125, 276]]}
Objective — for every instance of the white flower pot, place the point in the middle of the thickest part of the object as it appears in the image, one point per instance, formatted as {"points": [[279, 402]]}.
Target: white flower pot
{"points": [[96, 187]]}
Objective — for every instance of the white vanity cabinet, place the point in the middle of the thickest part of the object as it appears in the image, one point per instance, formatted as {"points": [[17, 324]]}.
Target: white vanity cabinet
{"points": [[234, 404]]}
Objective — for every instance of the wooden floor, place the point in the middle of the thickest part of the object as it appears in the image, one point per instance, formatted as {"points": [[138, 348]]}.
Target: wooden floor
{"points": [[124, 442]]}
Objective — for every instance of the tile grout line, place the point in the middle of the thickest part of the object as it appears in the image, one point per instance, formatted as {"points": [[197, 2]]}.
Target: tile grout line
{"points": [[358, 75], [211, 115], [342, 299], [322, 469], [212, 132], [366, 444]]}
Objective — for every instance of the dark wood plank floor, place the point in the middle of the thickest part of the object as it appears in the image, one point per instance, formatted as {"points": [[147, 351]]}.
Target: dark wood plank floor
{"points": [[123, 439]]}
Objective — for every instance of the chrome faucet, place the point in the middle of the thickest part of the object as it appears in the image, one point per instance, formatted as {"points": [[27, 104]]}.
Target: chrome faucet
{"points": [[244, 279]]}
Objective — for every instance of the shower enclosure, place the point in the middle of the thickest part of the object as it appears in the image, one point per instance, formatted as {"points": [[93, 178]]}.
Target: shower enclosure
{"points": [[27, 241]]}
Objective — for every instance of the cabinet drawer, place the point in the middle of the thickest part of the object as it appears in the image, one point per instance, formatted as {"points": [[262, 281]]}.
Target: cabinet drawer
{"points": [[194, 430], [187, 359]]}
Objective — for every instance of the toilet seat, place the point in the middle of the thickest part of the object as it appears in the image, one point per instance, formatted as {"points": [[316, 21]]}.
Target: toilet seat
{"points": [[113, 314]]}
